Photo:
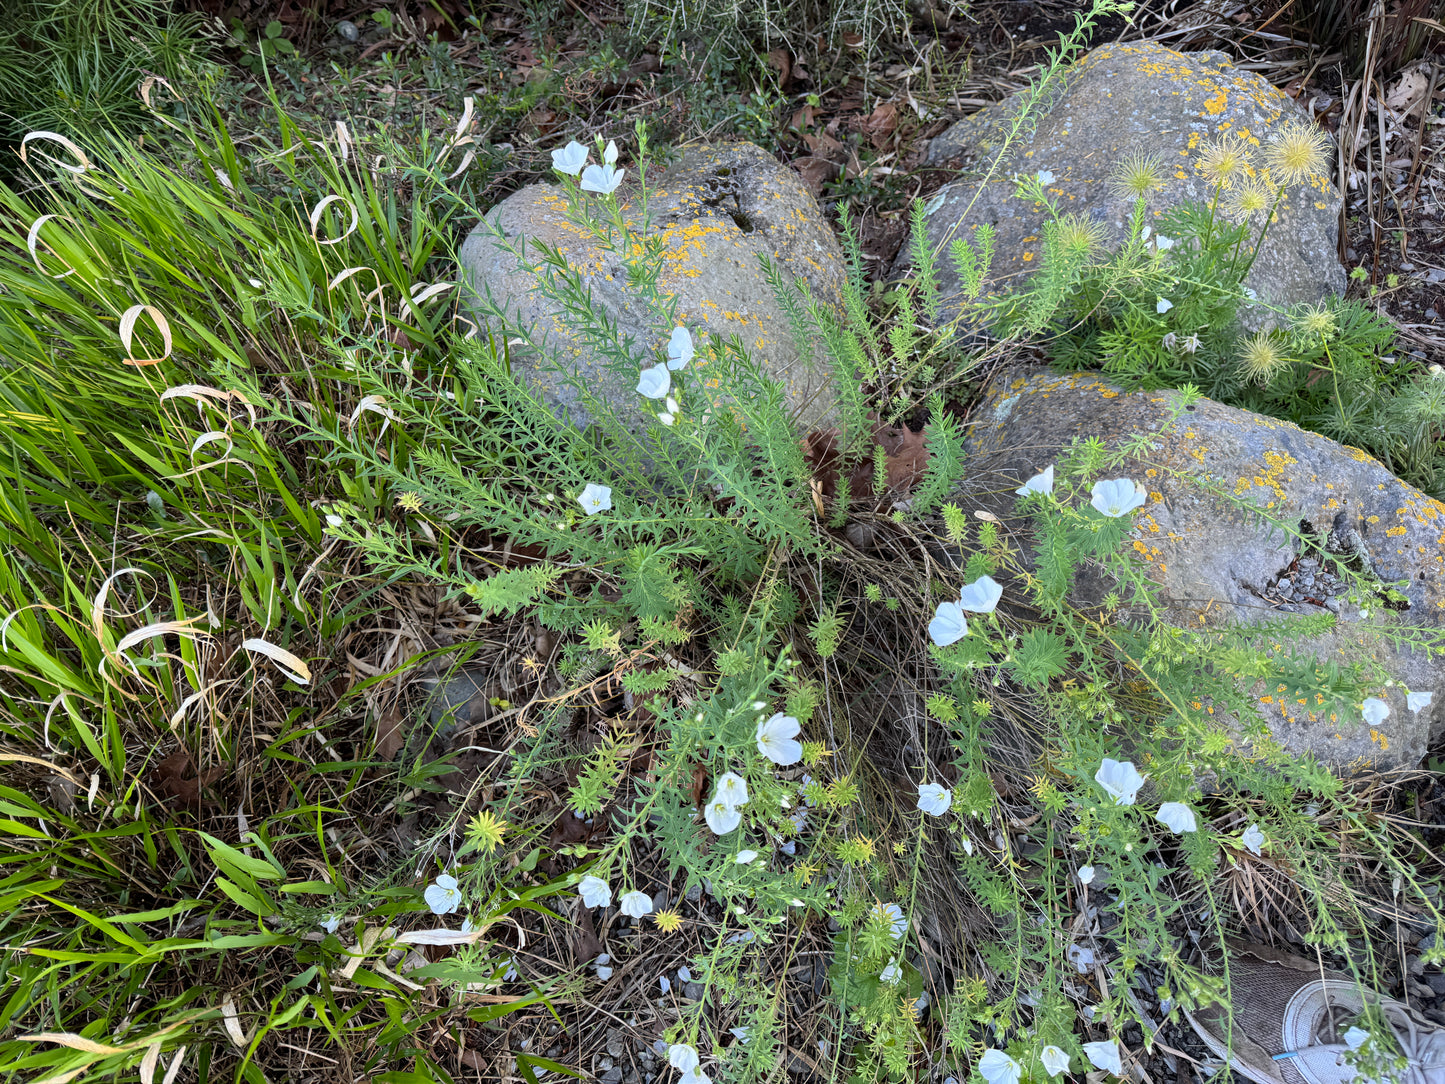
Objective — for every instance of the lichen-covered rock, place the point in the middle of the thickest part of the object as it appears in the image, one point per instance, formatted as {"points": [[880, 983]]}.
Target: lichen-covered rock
{"points": [[1214, 566], [718, 209], [1120, 100]]}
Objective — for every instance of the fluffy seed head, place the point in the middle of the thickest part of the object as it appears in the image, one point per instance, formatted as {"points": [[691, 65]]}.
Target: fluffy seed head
{"points": [[1078, 235], [1138, 175], [1250, 200], [1315, 321], [1297, 150], [1260, 358], [1224, 159]]}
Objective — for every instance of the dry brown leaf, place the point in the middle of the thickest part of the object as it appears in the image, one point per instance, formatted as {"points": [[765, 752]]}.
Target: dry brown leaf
{"points": [[389, 735], [779, 61], [176, 778], [815, 172]]}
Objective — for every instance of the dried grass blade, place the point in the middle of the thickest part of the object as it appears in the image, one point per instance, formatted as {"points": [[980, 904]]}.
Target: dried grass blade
{"points": [[56, 137], [127, 333], [299, 672], [320, 208]]}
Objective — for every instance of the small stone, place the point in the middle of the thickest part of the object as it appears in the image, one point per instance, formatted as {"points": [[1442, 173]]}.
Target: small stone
{"points": [[613, 1075], [1285, 585], [1407, 266], [1431, 314], [1426, 943], [1415, 965], [692, 991], [1419, 989], [1436, 982], [1333, 605], [604, 1064], [1435, 274], [346, 30], [1306, 581], [694, 892]]}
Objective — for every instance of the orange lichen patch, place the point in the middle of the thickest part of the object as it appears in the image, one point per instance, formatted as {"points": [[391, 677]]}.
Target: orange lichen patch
{"points": [[1215, 105], [1379, 738]]}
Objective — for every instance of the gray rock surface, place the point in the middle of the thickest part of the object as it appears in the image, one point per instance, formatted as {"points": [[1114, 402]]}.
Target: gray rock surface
{"points": [[1213, 567], [1119, 100], [718, 208]]}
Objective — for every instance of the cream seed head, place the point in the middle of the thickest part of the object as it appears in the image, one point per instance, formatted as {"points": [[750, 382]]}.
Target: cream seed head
{"points": [[1298, 150], [1225, 159], [1260, 358], [1138, 175], [1250, 200]]}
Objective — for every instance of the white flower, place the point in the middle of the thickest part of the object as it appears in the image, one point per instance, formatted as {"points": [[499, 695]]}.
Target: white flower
{"points": [[604, 179], [663, 984], [1055, 1061], [1043, 482], [891, 972], [732, 789], [1086, 875], [1117, 496], [1374, 710], [668, 416], [1416, 701], [1252, 838], [934, 799], [949, 625], [682, 1057], [966, 844], [1356, 1038], [595, 892], [777, 739], [721, 817], [897, 923], [1164, 244], [1121, 779], [603, 971], [467, 926], [745, 858], [570, 159], [636, 904], [694, 1076], [679, 348], [1105, 1056], [740, 1034], [330, 923], [1147, 231], [981, 596], [1163, 305], [610, 154], [1045, 177], [998, 1068], [444, 896], [654, 382], [1177, 817], [595, 498]]}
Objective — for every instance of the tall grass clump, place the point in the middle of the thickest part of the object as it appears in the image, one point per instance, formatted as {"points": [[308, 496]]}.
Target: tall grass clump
{"points": [[74, 66]]}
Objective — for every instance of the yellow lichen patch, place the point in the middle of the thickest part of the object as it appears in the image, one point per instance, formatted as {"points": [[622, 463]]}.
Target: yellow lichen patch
{"points": [[1215, 105], [1379, 738], [1395, 531]]}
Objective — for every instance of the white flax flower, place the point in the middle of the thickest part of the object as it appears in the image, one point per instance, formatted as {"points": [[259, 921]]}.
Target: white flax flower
{"points": [[777, 739], [934, 799]]}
